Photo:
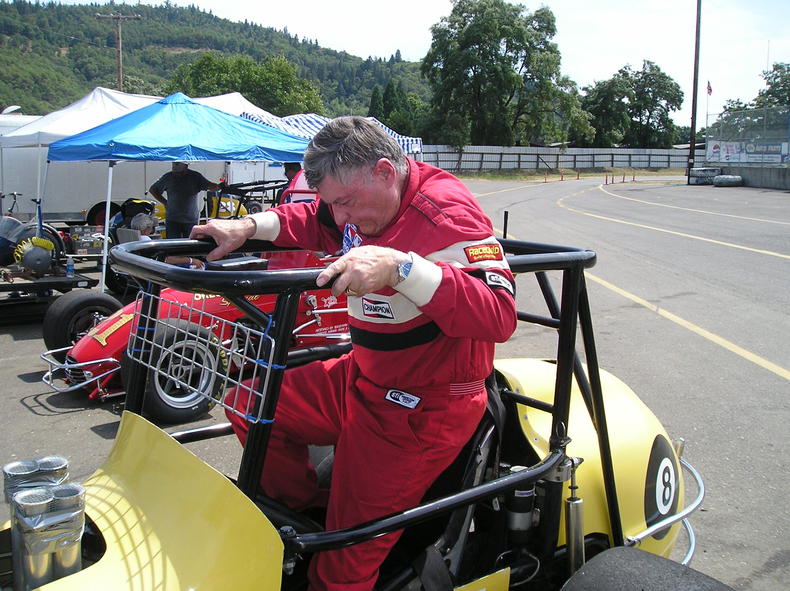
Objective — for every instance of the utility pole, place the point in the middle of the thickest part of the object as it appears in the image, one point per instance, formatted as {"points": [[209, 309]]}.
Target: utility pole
{"points": [[119, 18], [693, 138]]}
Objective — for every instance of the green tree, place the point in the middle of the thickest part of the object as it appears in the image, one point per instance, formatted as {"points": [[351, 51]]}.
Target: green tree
{"points": [[393, 99], [607, 102], [777, 91], [376, 107], [655, 96], [494, 71], [272, 84]]}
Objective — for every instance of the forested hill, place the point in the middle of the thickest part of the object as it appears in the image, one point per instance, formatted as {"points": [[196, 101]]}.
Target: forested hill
{"points": [[51, 55]]}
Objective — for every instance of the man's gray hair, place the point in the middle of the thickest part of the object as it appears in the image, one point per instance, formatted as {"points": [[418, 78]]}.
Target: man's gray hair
{"points": [[143, 223], [347, 144]]}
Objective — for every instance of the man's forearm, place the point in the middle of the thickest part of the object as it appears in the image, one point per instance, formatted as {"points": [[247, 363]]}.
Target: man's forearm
{"points": [[158, 196]]}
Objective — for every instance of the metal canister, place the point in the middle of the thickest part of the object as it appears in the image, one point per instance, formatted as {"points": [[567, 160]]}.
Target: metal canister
{"points": [[69, 499], [53, 469], [16, 475], [35, 568], [33, 473]]}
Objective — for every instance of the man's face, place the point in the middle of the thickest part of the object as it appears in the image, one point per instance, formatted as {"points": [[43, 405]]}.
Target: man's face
{"points": [[368, 198], [179, 167]]}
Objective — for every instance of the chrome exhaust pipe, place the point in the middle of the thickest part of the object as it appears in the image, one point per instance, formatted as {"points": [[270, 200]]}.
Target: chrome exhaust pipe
{"points": [[68, 506], [30, 507]]}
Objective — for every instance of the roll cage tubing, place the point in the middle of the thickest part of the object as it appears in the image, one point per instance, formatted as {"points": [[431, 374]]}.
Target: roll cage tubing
{"points": [[145, 260]]}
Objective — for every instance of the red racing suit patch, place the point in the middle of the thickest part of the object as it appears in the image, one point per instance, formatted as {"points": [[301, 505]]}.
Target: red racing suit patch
{"points": [[403, 398], [484, 252]]}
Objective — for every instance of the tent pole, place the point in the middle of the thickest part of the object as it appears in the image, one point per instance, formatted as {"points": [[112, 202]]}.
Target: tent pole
{"points": [[38, 171], [106, 241]]}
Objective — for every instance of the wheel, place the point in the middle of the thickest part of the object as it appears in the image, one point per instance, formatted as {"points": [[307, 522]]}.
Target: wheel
{"points": [[254, 207], [73, 314], [188, 353], [727, 180], [95, 216]]}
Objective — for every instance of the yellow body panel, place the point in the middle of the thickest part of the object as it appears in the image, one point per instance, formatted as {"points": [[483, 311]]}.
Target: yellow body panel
{"points": [[632, 430], [497, 581], [224, 207], [170, 521]]}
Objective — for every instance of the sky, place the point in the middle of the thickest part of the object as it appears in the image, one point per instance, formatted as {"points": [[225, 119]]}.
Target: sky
{"points": [[739, 39]]}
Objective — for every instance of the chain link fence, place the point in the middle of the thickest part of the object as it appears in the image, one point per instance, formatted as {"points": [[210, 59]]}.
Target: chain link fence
{"points": [[752, 137]]}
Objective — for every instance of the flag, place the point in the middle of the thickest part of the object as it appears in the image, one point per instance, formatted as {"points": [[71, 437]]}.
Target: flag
{"points": [[710, 90]]}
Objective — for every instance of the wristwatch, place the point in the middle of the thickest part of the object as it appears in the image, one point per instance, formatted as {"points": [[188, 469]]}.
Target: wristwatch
{"points": [[404, 267]]}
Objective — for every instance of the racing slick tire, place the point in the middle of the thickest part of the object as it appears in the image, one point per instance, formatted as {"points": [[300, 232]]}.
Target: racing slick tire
{"points": [[623, 569], [727, 180], [73, 314], [168, 401]]}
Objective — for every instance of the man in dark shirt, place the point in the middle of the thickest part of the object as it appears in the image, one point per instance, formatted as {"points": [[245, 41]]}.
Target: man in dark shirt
{"points": [[181, 206]]}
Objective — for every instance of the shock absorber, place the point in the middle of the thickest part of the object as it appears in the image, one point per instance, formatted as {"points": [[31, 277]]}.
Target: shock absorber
{"points": [[520, 505], [574, 522]]}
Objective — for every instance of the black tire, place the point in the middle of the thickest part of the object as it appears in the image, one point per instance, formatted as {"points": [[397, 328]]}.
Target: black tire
{"points": [[727, 180], [73, 314], [95, 215], [165, 399], [254, 207], [120, 283]]}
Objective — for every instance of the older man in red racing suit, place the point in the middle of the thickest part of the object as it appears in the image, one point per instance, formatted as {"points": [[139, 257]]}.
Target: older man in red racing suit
{"points": [[429, 293]]}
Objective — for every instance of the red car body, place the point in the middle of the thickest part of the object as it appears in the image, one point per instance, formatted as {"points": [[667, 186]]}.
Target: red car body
{"points": [[94, 362]]}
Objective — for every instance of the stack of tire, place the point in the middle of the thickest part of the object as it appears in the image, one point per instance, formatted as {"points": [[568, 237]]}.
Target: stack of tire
{"points": [[703, 176]]}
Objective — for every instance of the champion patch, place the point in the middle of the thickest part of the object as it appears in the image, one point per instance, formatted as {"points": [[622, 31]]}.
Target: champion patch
{"points": [[377, 309], [496, 280], [403, 398], [483, 252]]}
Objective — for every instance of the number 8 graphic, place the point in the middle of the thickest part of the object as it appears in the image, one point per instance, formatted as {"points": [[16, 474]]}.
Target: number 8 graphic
{"points": [[665, 486]]}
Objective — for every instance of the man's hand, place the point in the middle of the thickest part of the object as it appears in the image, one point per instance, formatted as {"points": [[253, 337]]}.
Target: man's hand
{"points": [[362, 270], [228, 234]]}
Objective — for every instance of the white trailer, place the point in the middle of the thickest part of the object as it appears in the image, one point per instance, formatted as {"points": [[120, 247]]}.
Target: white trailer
{"points": [[75, 192]]}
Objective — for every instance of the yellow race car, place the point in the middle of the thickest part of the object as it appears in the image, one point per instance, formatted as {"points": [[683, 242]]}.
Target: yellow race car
{"points": [[567, 464]]}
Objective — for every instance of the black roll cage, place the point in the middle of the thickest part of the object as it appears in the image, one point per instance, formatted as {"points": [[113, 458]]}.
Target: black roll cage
{"points": [[145, 261]]}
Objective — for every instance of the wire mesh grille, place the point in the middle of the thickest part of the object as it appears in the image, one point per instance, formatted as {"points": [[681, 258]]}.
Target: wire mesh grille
{"points": [[190, 352]]}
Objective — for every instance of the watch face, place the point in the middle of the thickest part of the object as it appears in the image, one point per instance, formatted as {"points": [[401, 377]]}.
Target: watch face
{"points": [[403, 270]]}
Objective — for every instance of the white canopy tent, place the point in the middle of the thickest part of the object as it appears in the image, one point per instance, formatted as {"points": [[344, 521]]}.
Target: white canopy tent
{"points": [[23, 150]]}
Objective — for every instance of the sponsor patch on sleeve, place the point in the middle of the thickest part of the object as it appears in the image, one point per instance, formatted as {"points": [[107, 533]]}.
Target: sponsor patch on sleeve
{"points": [[494, 280], [484, 252], [403, 398], [377, 309]]}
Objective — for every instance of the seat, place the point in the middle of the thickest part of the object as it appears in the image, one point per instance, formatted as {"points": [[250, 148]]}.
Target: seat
{"points": [[127, 235], [171, 521]]}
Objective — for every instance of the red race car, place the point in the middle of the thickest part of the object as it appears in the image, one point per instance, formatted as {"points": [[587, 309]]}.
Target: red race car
{"points": [[95, 330]]}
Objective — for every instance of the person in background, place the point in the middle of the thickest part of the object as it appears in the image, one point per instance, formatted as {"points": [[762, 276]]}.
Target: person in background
{"points": [[145, 224], [429, 294], [182, 186], [291, 169]]}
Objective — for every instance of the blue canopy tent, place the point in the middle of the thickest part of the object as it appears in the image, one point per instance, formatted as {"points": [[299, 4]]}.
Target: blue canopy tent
{"points": [[176, 128]]}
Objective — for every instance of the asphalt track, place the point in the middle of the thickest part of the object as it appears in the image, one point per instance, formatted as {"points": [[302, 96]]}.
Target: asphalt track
{"points": [[690, 307]]}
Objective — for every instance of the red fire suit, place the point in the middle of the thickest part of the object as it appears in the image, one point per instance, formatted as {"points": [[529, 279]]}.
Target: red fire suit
{"points": [[401, 406]]}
